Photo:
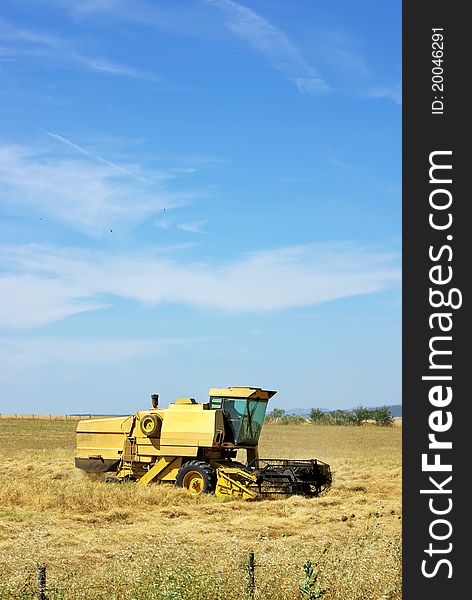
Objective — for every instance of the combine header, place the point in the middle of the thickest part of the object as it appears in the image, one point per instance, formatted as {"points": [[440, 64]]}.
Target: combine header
{"points": [[194, 445]]}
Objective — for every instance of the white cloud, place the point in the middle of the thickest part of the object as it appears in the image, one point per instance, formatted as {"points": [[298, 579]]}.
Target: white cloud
{"points": [[28, 301], [393, 92], [85, 152], [310, 85], [25, 353], [92, 196], [93, 5], [169, 223], [53, 50], [273, 44], [164, 223], [193, 227], [69, 282], [106, 66]]}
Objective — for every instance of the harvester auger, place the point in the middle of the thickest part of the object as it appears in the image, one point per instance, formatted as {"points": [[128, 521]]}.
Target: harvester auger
{"points": [[194, 445]]}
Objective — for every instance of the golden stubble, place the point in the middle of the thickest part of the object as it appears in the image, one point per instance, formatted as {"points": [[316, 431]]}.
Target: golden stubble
{"points": [[129, 541]]}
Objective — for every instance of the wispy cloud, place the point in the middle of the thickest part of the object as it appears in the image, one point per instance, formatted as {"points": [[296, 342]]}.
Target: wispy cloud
{"points": [[339, 51], [23, 44], [85, 152], [94, 5], [393, 92], [273, 43], [103, 65], [342, 52], [172, 223], [46, 284], [18, 354], [194, 227], [88, 193], [28, 300]]}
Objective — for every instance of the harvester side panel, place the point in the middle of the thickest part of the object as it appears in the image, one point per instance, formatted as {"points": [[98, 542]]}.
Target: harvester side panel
{"points": [[100, 443], [193, 427]]}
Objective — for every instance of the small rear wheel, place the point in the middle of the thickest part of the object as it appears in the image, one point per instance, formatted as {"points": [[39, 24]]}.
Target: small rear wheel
{"points": [[197, 477]]}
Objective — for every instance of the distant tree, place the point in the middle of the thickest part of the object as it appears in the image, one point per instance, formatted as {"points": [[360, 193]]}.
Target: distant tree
{"points": [[340, 417], [276, 414], [382, 416], [292, 419], [317, 416], [361, 414]]}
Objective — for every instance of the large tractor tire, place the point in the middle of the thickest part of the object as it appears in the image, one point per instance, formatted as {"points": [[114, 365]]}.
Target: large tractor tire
{"points": [[197, 477]]}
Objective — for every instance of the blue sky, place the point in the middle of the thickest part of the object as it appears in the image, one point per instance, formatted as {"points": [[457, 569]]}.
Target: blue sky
{"points": [[197, 194]]}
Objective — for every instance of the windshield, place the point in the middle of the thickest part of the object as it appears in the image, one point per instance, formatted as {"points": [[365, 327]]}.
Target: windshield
{"points": [[243, 419]]}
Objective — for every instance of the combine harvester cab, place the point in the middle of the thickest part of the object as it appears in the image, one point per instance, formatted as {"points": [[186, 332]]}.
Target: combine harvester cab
{"points": [[195, 446]]}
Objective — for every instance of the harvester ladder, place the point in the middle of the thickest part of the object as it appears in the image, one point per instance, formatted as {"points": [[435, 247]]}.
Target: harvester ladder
{"points": [[127, 458]]}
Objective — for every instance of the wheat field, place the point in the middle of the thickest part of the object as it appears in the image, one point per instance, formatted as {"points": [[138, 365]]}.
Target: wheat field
{"points": [[129, 542]]}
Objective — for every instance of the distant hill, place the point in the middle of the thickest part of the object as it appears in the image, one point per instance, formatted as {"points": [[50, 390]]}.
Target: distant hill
{"points": [[395, 409]]}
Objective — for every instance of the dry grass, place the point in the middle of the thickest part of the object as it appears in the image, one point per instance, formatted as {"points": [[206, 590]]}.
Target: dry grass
{"points": [[130, 542]]}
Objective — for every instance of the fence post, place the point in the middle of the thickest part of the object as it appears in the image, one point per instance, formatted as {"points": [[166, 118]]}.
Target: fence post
{"points": [[42, 582], [251, 586]]}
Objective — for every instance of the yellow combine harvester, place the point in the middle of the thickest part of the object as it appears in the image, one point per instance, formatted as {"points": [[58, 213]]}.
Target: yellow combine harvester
{"points": [[194, 445]]}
